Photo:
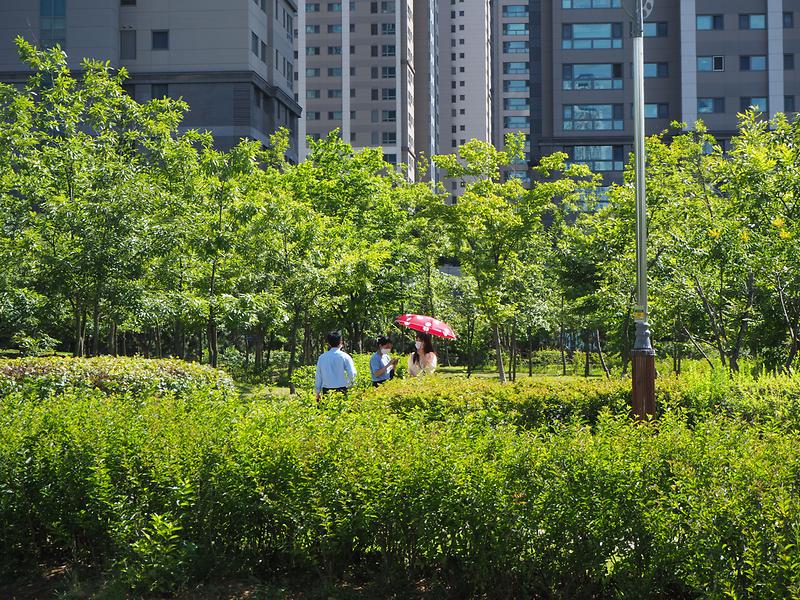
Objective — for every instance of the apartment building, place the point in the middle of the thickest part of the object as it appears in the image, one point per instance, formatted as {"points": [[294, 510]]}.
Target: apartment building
{"points": [[704, 59], [356, 73], [231, 61]]}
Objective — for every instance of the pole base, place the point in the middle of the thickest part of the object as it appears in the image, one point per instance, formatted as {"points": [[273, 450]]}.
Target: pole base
{"points": [[643, 397]]}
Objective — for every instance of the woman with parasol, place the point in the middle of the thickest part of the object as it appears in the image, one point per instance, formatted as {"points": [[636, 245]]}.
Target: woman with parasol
{"points": [[423, 360]]}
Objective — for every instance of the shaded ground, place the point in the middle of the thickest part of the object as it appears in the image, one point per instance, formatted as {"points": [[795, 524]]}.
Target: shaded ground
{"points": [[66, 582]]}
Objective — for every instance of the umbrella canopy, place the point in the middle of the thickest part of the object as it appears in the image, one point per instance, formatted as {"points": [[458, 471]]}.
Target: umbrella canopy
{"points": [[426, 325]]}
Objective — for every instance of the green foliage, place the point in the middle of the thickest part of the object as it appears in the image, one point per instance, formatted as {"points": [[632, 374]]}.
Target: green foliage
{"points": [[428, 481], [43, 377]]}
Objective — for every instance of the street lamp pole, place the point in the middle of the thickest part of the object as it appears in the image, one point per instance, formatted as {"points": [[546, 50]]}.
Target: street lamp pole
{"points": [[643, 355]]}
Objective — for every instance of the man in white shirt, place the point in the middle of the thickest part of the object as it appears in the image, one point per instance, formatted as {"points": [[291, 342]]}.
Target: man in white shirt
{"points": [[335, 369]]}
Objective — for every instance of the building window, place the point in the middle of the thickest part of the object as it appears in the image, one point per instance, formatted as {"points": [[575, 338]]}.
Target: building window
{"points": [[593, 117], [389, 94], [159, 90], [788, 20], [587, 36], [253, 43], [390, 158], [710, 63], [516, 103], [747, 102], [312, 50], [334, 7], [389, 116], [312, 94], [335, 93], [53, 30], [517, 122], [788, 62], [388, 50], [387, 7], [516, 85], [710, 105], [312, 28], [127, 44], [264, 52], [599, 159], [515, 10], [599, 76], [516, 68], [568, 4], [127, 3], [389, 137], [658, 29], [753, 63], [334, 29], [312, 116], [656, 70], [334, 50], [788, 104], [387, 29], [388, 73], [334, 115], [515, 29], [516, 47], [160, 39], [312, 72], [756, 21], [710, 22], [312, 7], [658, 110]]}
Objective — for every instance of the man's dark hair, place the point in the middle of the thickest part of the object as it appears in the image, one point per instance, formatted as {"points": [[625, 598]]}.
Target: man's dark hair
{"points": [[334, 338], [383, 340]]}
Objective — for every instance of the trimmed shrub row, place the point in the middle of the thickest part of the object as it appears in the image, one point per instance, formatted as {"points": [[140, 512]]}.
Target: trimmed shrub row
{"points": [[169, 493], [44, 377]]}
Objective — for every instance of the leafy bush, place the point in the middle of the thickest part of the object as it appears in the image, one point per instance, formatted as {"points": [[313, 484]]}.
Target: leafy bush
{"points": [[43, 377], [420, 479]]}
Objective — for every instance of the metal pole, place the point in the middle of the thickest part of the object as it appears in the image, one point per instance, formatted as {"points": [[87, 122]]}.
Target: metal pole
{"points": [[643, 355]]}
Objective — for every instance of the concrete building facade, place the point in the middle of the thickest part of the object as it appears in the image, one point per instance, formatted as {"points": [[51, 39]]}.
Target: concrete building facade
{"points": [[704, 59], [232, 62], [356, 73]]}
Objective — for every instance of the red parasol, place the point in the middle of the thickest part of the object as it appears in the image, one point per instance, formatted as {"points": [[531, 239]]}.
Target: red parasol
{"points": [[426, 325]]}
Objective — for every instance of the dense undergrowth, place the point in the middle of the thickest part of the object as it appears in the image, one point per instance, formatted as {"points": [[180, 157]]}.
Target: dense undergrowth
{"points": [[542, 489]]}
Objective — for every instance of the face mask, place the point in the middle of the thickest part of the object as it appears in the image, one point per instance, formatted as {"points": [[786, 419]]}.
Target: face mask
{"points": [[385, 351], [419, 345]]}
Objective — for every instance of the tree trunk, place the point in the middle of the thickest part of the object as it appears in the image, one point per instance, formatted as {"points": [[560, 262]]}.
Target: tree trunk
{"points": [[792, 355], [258, 349], [78, 350], [269, 350], [626, 336], [513, 361], [112, 338], [600, 354], [498, 353], [292, 349], [178, 342], [470, 337], [96, 328], [530, 353], [588, 352], [158, 341]]}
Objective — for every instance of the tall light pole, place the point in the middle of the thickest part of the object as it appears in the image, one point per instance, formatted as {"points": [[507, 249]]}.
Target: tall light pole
{"points": [[643, 355]]}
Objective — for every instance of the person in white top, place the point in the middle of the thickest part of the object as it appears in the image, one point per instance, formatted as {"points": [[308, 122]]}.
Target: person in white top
{"points": [[423, 360]]}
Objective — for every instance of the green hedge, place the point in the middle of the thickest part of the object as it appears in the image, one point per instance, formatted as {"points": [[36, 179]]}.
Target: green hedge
{"points": [[537, 401], [178, 488], [44, 377]]}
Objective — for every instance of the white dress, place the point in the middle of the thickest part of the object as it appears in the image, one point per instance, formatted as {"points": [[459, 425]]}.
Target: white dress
{"points": [[426, 367]]}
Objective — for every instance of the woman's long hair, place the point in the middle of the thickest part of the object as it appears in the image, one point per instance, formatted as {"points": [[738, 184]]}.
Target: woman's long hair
{"points": [[427, 341]]}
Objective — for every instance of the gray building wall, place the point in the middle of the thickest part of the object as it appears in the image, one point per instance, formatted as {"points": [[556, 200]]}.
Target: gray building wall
{"points": [[209, 61], [675, 41]]}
